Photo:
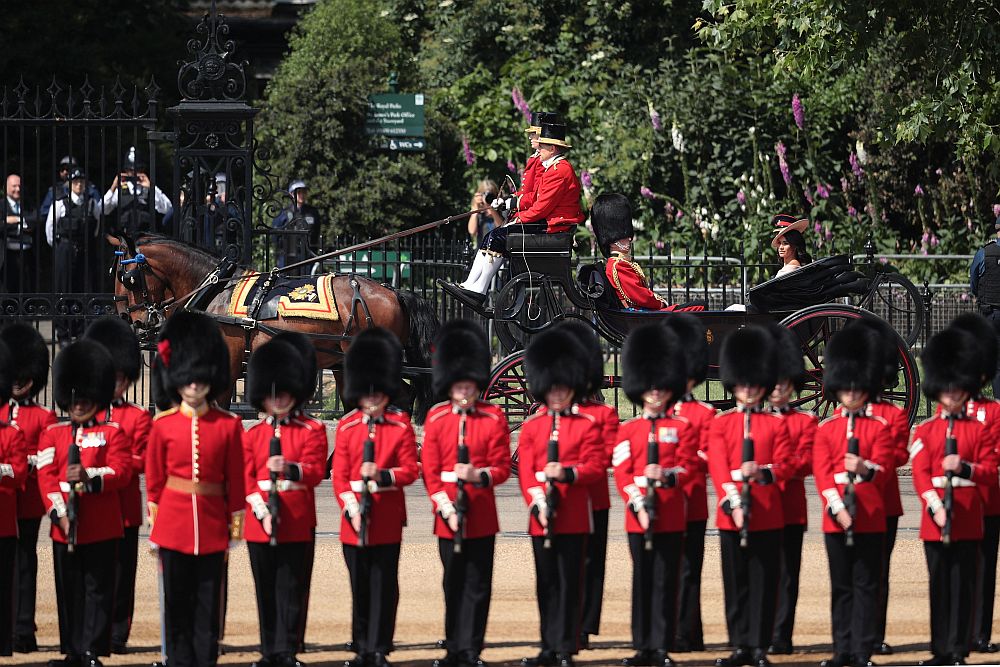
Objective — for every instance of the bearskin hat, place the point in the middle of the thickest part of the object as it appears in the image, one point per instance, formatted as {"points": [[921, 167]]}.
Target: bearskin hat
{"points": [[951, 361], [611, 219], [120, 340], [748, 357], [986, 338], [461, 352], [276, 367], [373, 363], [652, 358], [30, 355], [854, 359], [887, 337], [191, 349], [791, 366], [6, 373], [594, 357], [83, 371], [554, 357], [307, 351], [691, 333]]}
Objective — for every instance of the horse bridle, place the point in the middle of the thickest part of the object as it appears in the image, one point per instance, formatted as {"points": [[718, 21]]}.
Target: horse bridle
{"points": [[134, 280]]}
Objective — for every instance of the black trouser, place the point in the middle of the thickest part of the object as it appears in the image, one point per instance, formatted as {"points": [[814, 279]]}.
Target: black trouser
{"points": [[496, 239], [854, 581], [280, 575], [986, 580], [655, 583], [27, 576], [8, 554], [192, 586], [750, 583], [17, 270], [70, 278], [594, 566], [788, 583], [308, 564], [85, 586], [468, 587], [992, 313], [689, 630], [374, 573], [128, 556], [559, 588], [952, 574], [891, 528]]}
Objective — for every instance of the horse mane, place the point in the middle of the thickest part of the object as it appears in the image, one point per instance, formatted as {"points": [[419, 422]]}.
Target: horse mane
{"points": [[198, 255]]}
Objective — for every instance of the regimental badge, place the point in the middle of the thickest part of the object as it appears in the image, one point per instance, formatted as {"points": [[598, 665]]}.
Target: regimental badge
{"points": [[667, 434], [93, 440], [709, 336], [304, 293]]}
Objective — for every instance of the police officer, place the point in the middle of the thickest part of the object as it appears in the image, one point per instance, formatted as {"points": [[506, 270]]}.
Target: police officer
{"points": [[13, 472], [984, 280], [130, 194], [303, 219]]}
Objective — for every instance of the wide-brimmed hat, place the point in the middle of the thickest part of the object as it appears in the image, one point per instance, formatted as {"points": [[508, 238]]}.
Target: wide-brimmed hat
{"points": [[553, 134], [539, 117], [784, 223]]}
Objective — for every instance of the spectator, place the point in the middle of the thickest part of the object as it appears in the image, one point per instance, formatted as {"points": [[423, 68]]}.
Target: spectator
{"points": [[984, 281], [487, 217], [17, 229], [61, 188], [130, 193], [299, 217]]}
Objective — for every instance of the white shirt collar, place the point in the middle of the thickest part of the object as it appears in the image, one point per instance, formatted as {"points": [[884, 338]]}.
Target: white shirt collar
{"points": [[551, 161]]}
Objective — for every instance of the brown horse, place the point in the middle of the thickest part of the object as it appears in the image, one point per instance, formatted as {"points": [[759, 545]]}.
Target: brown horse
{"points": [[170, 272]]}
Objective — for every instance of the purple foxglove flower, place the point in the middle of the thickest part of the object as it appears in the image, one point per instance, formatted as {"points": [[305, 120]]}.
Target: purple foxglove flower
{"points": [[798, 112], [924, 238], [470, 157], [520, 103], [780, 149], [935, 241], [817, 228], [918, 191], [511, 167], [822, 191], [680, 214], [741, 197], [856, 166], [851, 211], [844, 185], [646, 192], [828, 233], [660, 245], [585, 179], [654, 118], [805, 191]]}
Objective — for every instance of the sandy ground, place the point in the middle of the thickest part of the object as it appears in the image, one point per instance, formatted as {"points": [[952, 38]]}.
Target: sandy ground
{"points": [[513, 626]]}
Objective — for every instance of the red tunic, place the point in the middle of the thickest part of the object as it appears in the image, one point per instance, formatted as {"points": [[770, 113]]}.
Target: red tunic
{"points": [[802, 426], [32, 419], [929, 476], [557, 201], [699, 415], [678, 450], [136, 423], [396, 457], [303, 444], [13, 472], [772, 448], [899, 427], [630, 284], [194, 521], [580, 447], [105, 451], [529, 182], [607, 419], [488, 438], [875, 445], [987, 412]]}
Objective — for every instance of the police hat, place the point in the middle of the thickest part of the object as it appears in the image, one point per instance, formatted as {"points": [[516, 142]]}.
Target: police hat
{"points": [[461, 352], [6, 373], [694, 341], [67, 162], [554, 357], [611, 219], [986, 339], [951, 361], [120, 340], [297, 184], [276, 367], [373, 363], [854, 359], [191, 349], [77, 174], [748, 357], [791, 365], [30, 360], [594, 357], [652, 358], [83, 371]]}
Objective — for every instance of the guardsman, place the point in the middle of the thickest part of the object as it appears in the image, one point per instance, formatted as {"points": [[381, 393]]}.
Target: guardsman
{"points": [[194, 484], [749, 446], [555, 209], [120, 341], [30, 373], [802, 431], [374, 457], [611, 218], [284, 459], [525, 195], [561, 455], [466, 453], [13, 472], [851, 452], [82, 465], [654, 453], [984, 280], [699, 415], [592, 403], [952, 456]]}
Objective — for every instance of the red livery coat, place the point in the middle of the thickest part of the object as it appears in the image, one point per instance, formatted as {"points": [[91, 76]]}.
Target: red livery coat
{"points": [[772, 448], [699, 415], [13, 471], [678, 450], [190, 522], [488, 438], [529, 182], [557, 201], [32, 419], [607, 420], [303, 444], [395, 455], [974, 448], [987, 412], [875, 445], [105, 452], [899, 427], [136, 422], [802, 426], [580, 447], [630, 284]]}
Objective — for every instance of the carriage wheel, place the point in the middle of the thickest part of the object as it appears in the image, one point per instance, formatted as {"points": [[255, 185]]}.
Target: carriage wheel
{"points": [[897, 301], [522, 309], [508, 389], [815, 326]]}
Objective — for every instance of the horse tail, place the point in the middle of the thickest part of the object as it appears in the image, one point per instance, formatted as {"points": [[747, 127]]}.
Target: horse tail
{"points": [[423, 326]]}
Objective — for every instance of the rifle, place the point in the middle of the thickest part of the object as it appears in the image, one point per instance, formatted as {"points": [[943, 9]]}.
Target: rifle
{"points": [[73, 505], [649, 503], [461, 496], [551, 490], [273, 505], [746, 494], [367, 456], [950, 447], [850, 501]]}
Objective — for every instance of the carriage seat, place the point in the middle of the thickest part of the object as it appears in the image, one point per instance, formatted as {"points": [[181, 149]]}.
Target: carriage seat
{"points": [[593, 282], [818, 282], [541, 253]]}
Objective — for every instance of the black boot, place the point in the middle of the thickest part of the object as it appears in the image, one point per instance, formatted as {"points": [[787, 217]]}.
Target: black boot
{"points": [[643, 658]]}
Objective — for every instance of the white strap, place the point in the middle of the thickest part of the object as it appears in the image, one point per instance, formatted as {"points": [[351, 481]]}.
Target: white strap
{"points": [[283, 485], [449, 477], [956, 481]]}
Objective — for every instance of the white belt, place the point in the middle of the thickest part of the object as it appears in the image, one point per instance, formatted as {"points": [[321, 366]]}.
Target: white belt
{"points": [[357, 486], [939, 482], [449, 476], [841, 478], [283, 485], [540, 477]]}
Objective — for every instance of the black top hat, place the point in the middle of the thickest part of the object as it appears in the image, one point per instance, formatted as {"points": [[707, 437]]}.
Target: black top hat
{"points": [[555, 358], [554, 134], [652, 358], [191, 349], [748, 358], [694, 341], [373, 363], [854, 359], [951, 361], [461, 352], [593, 357], [611, 218], [31, 361], [83, 371], [120, 340], [539, 117]]}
